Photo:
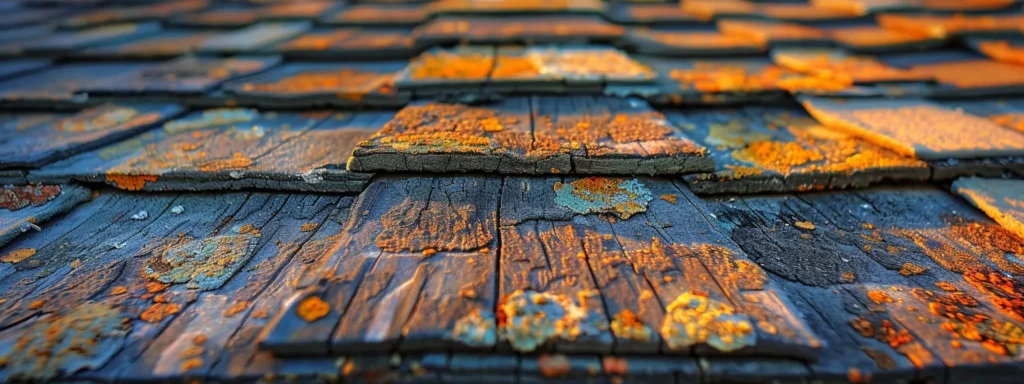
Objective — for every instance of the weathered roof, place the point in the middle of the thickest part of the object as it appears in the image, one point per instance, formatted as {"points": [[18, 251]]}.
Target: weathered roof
{"points": [[512, 191]]}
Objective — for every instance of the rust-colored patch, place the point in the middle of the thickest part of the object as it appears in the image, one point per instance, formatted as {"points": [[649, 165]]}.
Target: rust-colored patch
{"points": [[18, 255], [118, 290], [130, 182], [451, 65], [614, 366], [669, 197], [553, 366], [911, 269], [13, 198], [694, 319], [885, 332], [312, 308], [965, 322], [236, 308], [353, 83], [309, 227], [879, 297], [157, 312], [191, 364]]}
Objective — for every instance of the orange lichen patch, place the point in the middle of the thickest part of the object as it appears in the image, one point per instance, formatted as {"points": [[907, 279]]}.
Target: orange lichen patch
{"points": [[574, 63], [911, 269], [98, 119], [130, 182], [872, 36], [312, 308], [372, 13], [765, 32], [709, 9], [850, 69], [236, 308], [807, 225], [627, 325], [944, 26], [347, 81], [620, 197], [1002, 51], [1006, 294], [118, 290], [973, 73], [204, 264], [451, 65], [717, 77], [879, 297], [603, 132], [157, 312], [801, 12], [417, 226], [669, 197], [946, 286], [309, 227], [18, 255], [236, 161], [477, 329], [964, 322], [86, 337], [1010, 120], [693, 319], [553, 366], [699, 40], [447, 128], [36, 304], [885, 332], [515, 67], [528, 319], [13, 198], [191, 364]]}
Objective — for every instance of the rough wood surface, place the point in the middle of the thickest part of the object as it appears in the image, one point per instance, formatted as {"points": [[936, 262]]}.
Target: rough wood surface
{"points": [[59, 87], [34, 140], [532, 135], [350, 43], [26, 208], [253, 38], [303, 85], [230, 149], [1002, 200], [782, 149]]}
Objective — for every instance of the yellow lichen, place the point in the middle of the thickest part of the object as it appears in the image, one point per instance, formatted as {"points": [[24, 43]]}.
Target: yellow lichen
{"points": [[312, 308], [693, 319]]}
